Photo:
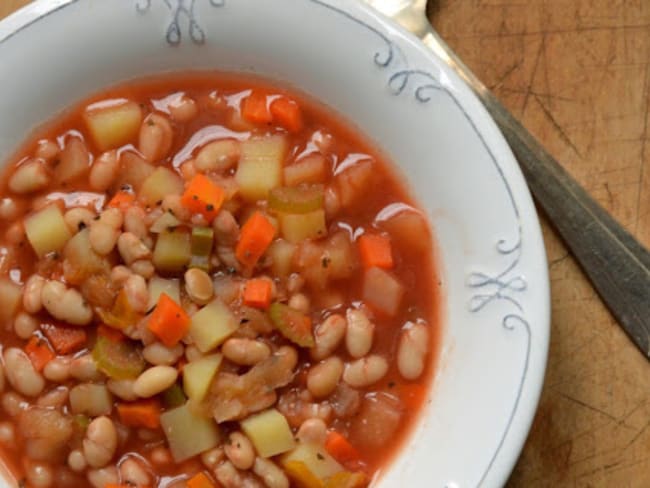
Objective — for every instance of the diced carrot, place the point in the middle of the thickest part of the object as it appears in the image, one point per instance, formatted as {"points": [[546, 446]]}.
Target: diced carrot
{"points": [[340, 448], [143, 413], [168, 322], [203, 196], [255, 108], [63, 338], [122, 200], [255, 237], [39, 352], [257, 293], [412, 396], [375, 250], [200, 481], [110, 333], [287, 113]]}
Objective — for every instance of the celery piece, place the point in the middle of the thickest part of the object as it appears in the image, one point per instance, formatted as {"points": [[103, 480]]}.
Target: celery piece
{"points": [[113, 123], [197, 376], [212, 325], [260, 166], [297, 199], [119, 360], [269, 432], [162, 182], [173, 397], [173, 250], [46, 230], [202, 242], [315, 458], [11, 296], [187, 433], [292, 324], [298, 227]]}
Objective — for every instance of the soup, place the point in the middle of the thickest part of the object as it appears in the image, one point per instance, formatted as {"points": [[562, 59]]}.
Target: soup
{"points": [[209, 281]]}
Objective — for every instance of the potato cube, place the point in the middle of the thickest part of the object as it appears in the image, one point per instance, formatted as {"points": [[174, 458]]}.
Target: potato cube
{"points": [[260, 166], [162, 182], [187, 433], [113, 123], [212, 325], [46, 230], [269, 432], [173, 250], [198, 374]]}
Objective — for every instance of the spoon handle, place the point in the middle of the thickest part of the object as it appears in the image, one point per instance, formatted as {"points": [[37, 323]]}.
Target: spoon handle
{"points": [[615, 262]]}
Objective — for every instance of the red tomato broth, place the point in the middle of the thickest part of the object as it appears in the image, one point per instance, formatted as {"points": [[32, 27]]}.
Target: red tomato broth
{"points": [[413, 266]]}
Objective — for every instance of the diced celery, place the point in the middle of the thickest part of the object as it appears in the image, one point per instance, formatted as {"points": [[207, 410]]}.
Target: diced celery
{"points": [[134, 170], [297, 199], [120, 360], [269, 432], [173, 397], [260, 166], [382, 291], [165, 222], [158, 286], [173, 250], [202, 242], [315, 458], [90, 399], [113, 124], [74, 161], [292, 324], [162, 182], [310, 169], [298, 227], [281, 253], [10, 298], [197, 376], [212, 325], [46, 230], [187, 433]]}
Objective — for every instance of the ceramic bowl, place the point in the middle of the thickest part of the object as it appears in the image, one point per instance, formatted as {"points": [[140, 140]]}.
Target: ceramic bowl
{"points": [[496, 307]]}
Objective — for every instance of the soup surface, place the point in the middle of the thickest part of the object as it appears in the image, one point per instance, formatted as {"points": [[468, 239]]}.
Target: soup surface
{"points": [[209, 281]]}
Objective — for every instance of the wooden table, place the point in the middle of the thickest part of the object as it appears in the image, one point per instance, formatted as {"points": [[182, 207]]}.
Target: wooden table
{"points": [[577, 73]]}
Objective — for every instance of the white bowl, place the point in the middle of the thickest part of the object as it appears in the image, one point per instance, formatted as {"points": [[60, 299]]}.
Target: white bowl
{"points": [[496, 324]]}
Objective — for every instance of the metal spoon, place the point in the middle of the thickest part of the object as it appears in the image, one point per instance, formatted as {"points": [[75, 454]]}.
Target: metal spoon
{"points": [[615, 262]]}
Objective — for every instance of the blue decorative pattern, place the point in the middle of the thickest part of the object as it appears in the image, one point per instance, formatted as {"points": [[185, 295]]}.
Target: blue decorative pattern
{"points": [[181, 9]]}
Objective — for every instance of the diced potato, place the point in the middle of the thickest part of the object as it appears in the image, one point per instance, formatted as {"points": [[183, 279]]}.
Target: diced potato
{"points": [[165, 222], [354, 182], [342, 260], [91, 399], [281, 253], [113, 124], [173, 250], [197, 376], [162, 182], [158, 286], [260, 166], [310, 169], [46, 230], [10, 298], [187, 433], [74, 161], [408, 228], [382, 291], [134, 170], [269, 432], [212, 325], [315, 458], [298, 227]]}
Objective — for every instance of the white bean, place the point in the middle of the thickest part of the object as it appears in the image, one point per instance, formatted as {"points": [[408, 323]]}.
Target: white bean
{"points": [[299, 301], [39, 475], [112, 217], [155, 380], [55, 398], [412, 351], [7, 434], [131, 248], [21, 373], [119, 274], [13, 403], [313, 431], [2, 377], [365, 371], [328, 335], [104, 171], [77, 461], [29, 177], [134, 473], [199, 286], [211, 458], [25, 325], [218, 155], [239, 451], [161, 456], [183, 109], [122, 389], [323, 378], [359, 335], [99, 478], [84, 368], [246, 352], [137, 292], [8, 209], [47, 150], [134, 222], [160, 355], [156, 135], [32, 302], [77, 218], [100, 442], [270, 473], [65, 304], [103, 237], [57, 370], [143, 268]]}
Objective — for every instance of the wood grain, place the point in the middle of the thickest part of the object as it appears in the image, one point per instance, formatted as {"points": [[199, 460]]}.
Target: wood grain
{"points": [[577, 74]]}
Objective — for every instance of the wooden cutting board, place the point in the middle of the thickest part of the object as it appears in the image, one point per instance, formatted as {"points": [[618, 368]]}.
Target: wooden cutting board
{"points": [[577, 74]]}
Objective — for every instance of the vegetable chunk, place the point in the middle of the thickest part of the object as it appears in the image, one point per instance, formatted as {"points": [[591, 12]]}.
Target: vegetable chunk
{"points": [[113, 123], [188, 434], [269, 432]]}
